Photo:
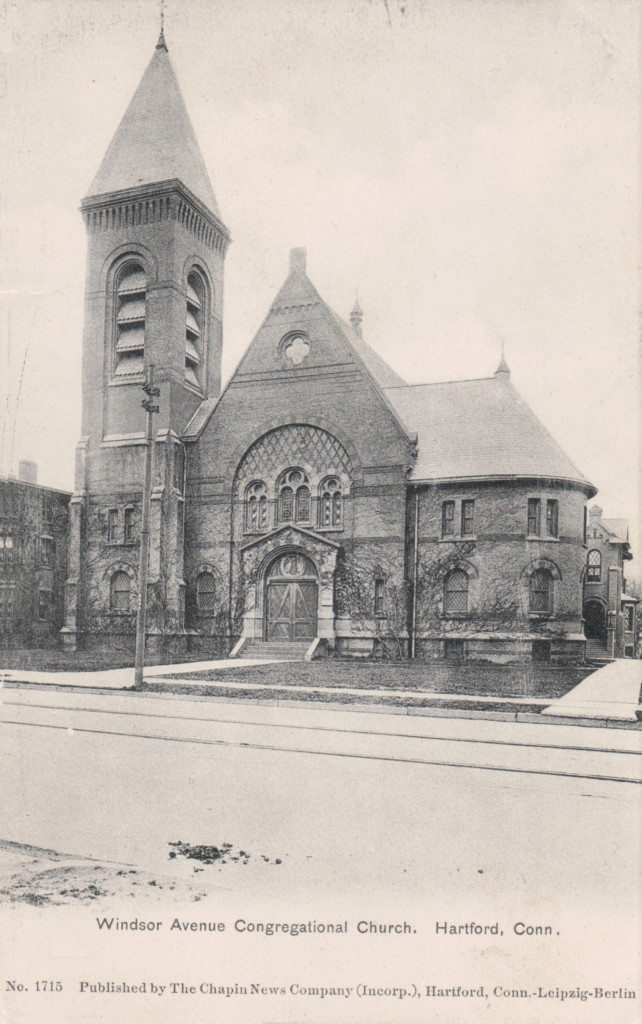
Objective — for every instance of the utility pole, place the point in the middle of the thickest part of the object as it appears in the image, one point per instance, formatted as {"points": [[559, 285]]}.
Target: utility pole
{"points": [[143, 565]]}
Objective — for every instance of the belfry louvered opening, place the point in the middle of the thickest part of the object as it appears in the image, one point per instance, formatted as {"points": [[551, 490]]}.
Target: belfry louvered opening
{"points": [[194, 329], [130, 321]]}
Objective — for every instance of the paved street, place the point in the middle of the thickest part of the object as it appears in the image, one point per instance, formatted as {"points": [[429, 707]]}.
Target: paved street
{"points": [[346, 801]]}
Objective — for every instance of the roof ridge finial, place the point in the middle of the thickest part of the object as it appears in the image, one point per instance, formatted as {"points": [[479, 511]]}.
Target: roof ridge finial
{"points": [[161, 44], [356, 316], [503, 367]]}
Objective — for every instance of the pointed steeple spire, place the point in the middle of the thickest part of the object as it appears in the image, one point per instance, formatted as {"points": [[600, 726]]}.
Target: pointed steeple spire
{"points": [[503, 371], [155, 140], [161, 44], [356, 315]]}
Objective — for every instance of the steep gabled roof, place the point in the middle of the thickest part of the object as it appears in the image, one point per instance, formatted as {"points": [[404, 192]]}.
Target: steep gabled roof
{"points": [[618, 528], [155, 140], [383, 374], [476, 429]]}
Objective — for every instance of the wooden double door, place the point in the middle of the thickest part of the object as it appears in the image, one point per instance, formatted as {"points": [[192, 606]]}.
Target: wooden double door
{"points": [[291, 600]]}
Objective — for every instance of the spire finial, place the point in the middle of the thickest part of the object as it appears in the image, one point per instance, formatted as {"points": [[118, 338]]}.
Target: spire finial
{"points": [[356, 316], [161, 44], [503, 368]]}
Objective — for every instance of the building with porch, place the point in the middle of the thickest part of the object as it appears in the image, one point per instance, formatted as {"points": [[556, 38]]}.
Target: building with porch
{"points": [[319, 499]]}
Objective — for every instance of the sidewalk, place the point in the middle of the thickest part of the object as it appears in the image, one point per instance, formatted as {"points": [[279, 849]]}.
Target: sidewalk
{"points": [[118, 678]]}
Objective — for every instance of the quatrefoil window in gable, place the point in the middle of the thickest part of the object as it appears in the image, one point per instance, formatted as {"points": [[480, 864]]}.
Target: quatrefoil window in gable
{"points": [[295, 348]]}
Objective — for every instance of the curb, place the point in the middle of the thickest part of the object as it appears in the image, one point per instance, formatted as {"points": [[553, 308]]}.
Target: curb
{"points": [[525, 717]]}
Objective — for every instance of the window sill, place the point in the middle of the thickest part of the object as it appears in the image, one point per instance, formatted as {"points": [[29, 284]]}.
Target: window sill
{"points": [[540, 616], [328, 529], [454, 615], [458, 538], [542, 540]]}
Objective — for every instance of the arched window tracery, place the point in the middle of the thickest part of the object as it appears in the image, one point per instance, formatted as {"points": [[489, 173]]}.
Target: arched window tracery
{"points": [[293, 493], [256, 507], [330, 503]]}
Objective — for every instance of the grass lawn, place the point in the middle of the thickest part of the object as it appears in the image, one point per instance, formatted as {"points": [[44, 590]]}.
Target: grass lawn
{"points": [[522, 680]]}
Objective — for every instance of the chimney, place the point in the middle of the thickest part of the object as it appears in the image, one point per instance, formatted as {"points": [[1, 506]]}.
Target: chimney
{"points": [[297, 260], [595, 512], [28, 471]]}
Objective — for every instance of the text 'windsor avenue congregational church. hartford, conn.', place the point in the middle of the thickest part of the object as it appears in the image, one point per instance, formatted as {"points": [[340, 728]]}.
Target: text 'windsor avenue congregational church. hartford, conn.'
{"points": [[318, 498]]}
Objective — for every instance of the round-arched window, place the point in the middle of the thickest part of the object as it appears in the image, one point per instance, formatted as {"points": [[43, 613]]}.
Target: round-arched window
{"points": [[330, 503], [294, 497], [256, 507], [205, 595], [131, 288]]}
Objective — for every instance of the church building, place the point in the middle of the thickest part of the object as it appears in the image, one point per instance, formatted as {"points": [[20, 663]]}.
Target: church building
{"points": [[319, 503]]}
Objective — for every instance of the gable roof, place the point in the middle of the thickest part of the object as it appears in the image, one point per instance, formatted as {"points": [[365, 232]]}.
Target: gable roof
{"points": [[479, 429], [155, 140], [618, 528]]}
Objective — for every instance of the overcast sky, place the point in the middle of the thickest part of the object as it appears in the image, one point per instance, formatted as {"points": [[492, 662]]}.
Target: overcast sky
{"points": [[470, 166]]}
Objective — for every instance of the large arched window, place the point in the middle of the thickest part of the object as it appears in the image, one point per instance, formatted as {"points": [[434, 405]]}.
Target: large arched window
{"points": [[120, 593], [294, 497], [256, 507], [205, 595], [330, 503], [456, 592], [540, 591], [594, 567], [194, 328], [131, 286]]}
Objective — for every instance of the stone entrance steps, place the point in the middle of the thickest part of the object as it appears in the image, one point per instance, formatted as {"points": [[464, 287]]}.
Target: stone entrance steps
{"points": [[280, 650], [596, 653]]}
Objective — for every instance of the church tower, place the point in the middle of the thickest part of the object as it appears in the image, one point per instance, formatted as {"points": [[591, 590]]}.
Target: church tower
{"points": [[154, 297]]}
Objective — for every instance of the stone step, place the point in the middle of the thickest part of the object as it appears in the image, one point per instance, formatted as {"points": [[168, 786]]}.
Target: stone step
{"points": [[283, 650]]}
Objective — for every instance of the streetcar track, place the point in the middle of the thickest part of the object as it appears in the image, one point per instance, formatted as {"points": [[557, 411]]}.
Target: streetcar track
{"points": [[329, 753], [324, 728]]}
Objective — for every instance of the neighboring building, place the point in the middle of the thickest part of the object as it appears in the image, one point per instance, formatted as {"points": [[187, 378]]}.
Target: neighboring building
{"points": [[610, 614], [319, 496], [34, 524]]}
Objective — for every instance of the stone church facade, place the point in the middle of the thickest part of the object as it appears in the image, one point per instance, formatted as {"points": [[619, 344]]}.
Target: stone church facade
{"points": [[318, 500]]}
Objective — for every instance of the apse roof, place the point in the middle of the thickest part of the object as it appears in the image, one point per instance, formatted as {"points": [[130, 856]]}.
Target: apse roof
{"points": [[155, 140], [472, 429]]}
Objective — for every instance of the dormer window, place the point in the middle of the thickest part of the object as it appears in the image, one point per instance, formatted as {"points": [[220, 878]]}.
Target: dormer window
{"points": [[194, 325], [130, 321]]}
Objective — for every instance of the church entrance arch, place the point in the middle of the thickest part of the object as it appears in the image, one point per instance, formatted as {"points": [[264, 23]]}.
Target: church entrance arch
{"points": [[291, 598], [595, 621]]}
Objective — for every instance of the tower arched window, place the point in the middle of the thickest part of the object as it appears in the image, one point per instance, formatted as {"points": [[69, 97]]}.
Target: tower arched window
{"points": [[120, 593], [540, 591], [330, 503], [131, 288], [256, 507], [205, 595], [194, 329], [456, 592], [594, 566], [294, 497]]}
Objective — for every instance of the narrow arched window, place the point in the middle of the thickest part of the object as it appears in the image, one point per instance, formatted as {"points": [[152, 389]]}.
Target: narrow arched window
{"points": [[330, 503], [456, 591], [256, 508], [303, 504], [120, 593], [131, 288], [205, 595], [594, 567], [540, 591], [286, 504], [194, 329]]}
